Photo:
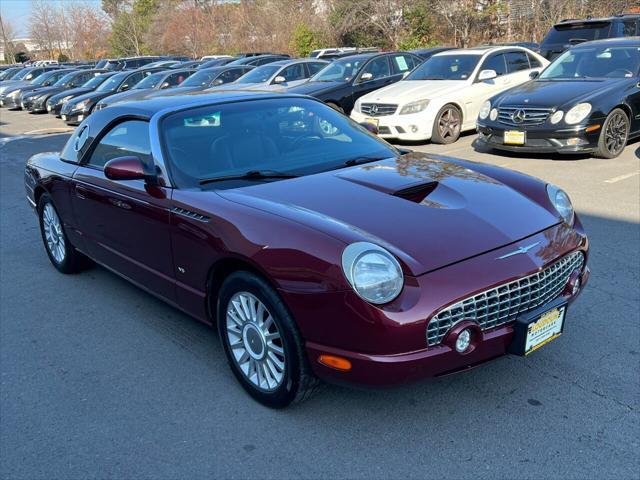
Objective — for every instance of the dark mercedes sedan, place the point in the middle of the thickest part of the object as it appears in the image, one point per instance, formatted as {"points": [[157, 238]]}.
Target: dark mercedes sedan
{"points": [[207, 78], [11, 97], [36, 101], [55, 102], [411, 266], [586, 101], [343, 81]]}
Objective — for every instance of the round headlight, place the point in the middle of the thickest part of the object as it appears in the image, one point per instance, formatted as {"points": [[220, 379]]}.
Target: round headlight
{"points": [[556, 117], [494, 114], [485, 109], [561, 202], [577, 113], [374, 273]]}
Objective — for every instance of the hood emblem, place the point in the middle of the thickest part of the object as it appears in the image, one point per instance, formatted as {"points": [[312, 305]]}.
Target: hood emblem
{"points": [[519, 251], [374, 109], [518, 116]]}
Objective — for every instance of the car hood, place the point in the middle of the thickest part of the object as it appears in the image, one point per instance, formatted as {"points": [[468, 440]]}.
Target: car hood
{"points": [[40, 90], [176, 91], [92, 96], [75, 92], [12, 85], [428, 211], [407, 91], [556, 93], [128, 95], [315, 88]]}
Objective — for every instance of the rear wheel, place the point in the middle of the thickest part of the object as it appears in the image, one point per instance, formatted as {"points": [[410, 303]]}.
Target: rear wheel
{"points": [[61, 253], [448, 125], [262, 343], [614, 135]]}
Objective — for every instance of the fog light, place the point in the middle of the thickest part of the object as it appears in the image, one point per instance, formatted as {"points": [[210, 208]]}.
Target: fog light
{"points": [[463, 341], [414, 128], [494, 114], [574, 141], [80, 118]]}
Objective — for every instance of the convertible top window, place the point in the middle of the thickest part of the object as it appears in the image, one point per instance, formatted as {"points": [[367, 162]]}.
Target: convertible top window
{"points": [[290, 136]]}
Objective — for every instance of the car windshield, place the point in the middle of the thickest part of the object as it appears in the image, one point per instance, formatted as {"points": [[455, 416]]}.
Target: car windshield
{"points": [[200, 79], [446, 67], [9, 73], [577, 32], [282, 137], [21, 74], [64, 81], [259, 75], [150, 82], [40, 79], [595, 62], [339, 71], [112, 84], [95, 81]]}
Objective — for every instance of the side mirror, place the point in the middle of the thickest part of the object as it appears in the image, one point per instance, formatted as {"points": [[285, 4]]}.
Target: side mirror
{"points": [[533, 75], [365, 77], [487, 75], [371, 127], [164, 85], [217, 81], [279, 79], [125, 168]]}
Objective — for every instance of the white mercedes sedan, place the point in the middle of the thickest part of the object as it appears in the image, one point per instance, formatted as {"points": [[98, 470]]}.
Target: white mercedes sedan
{"points": [[442, 97]]}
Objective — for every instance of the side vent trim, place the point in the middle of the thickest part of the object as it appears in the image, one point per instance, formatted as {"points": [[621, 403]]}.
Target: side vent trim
{"points": [[416, 193], [189, 214]]}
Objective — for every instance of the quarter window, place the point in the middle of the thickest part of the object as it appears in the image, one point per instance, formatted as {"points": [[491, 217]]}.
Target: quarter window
{"points": [[629, 28], [378, 68], [497, 63], [533, 61], [517, 61], [125, 139]]}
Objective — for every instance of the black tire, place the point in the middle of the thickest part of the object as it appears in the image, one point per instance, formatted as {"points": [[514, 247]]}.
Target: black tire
{"points": [[336, 107], [614, 134], [72, 260], [447, 125], [298, 382]]}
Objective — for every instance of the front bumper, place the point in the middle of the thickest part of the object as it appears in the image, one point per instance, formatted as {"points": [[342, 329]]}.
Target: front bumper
{"points": [[12, 103], [542, 139], [74, 117], [414, 127], [387, 346], [36, 105]]}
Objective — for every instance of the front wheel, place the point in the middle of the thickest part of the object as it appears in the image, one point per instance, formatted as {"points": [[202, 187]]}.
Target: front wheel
{"points": [[262, 343], [61, 253], [448, 125], [614, 135]]}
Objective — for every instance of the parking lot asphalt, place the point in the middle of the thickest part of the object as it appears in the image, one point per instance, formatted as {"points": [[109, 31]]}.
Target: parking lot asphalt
{"points": [[100, 379]]}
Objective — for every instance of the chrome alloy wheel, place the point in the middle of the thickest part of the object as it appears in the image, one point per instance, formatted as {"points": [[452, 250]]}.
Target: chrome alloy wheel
{"points": [[53, 233], [255, 341], [449, 123], [615, 135]]}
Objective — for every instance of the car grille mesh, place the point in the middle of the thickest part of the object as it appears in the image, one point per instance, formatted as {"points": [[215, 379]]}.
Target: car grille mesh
{"points": [[526, 116], [378, 109], [502, 304]]}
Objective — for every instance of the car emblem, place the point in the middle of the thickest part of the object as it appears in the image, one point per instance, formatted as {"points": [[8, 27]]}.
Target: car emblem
{"points": [[518, 116], [519, 251], [374, 109]]}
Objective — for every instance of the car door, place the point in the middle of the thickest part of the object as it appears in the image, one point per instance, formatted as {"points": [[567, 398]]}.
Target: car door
{"points": [[230, 75], [125, 224], [381, 75], [131, 80], [481, 90], [518, 68]]}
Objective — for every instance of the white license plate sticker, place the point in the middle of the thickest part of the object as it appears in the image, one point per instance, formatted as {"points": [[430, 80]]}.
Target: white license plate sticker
{"points": [[372, 121], [513, 137], [64, 117], [546, 328]]}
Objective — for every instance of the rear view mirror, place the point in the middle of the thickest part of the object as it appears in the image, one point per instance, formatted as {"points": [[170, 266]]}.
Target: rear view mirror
{"points": [[279, 79], [533, 75], [487, 75], [365, 77], [125, 168]]}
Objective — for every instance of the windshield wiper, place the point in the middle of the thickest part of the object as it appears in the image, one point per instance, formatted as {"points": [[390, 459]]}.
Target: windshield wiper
{"points": [[250, 175], [360, 160]]}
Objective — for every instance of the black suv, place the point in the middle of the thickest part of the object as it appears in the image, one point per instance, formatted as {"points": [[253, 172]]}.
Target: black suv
{"points": [[572, 31]]}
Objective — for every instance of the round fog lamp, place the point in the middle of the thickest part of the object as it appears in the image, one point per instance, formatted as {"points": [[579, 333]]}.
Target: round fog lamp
{"points": [[494, 114], [414, 128], [463, 341]]}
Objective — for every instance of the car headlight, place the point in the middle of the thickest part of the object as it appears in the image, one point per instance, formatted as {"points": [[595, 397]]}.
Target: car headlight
{"points": [[577, 113], [81, 105], [561, 202], [356, 106], [374, 273], [414, 107], [485, 109], [494, 114], [556, 117], [64, 99], [14, 94]]}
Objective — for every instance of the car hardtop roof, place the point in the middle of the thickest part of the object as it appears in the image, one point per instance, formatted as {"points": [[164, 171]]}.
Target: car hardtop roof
{"points": [[150, 106], [283, 63], [625, 16], [610, 42], [481, 50]]}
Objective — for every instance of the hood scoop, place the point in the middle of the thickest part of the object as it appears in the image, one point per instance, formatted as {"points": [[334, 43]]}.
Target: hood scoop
{"points": [[416, 193]]}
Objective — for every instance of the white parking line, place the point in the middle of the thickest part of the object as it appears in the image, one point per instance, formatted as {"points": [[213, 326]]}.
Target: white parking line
{"points": [[44, 131], [619, 178]]}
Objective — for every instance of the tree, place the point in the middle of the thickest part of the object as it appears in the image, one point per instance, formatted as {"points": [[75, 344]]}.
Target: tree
{"points": [[304, 40], [41, 26], [6, 29], [130, 26]]}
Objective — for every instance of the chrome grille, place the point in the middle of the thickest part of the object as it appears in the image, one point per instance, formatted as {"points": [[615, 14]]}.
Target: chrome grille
{"points": [[529, 116], [502, 304], [378, 109]]}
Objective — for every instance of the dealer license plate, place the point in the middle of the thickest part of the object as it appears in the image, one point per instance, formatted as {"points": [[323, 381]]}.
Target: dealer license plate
{"points": [[547, 328], [372, 121], [64, 117], [513, 137]]}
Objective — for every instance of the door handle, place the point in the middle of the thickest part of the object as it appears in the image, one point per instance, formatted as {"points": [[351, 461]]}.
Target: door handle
{"points": [[119, 203]]}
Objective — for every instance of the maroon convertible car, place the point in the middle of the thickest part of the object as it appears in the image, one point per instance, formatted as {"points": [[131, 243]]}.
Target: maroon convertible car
{"points": [[317, 250]]}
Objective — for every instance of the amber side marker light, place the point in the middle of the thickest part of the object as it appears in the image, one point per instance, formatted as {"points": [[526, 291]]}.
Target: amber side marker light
{"points": [[592, 128], [337, 363]]}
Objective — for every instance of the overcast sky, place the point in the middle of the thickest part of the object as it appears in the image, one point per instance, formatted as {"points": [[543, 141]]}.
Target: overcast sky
{"points": [[16, 12]]}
